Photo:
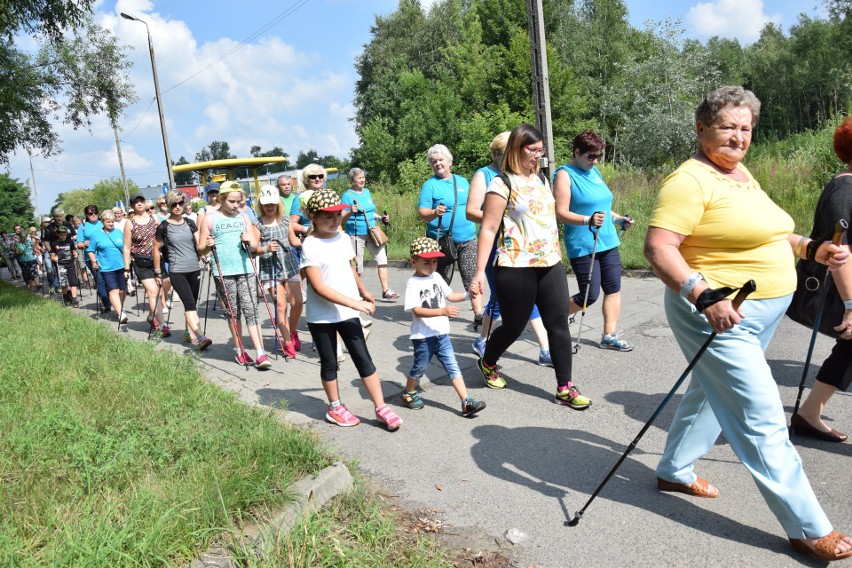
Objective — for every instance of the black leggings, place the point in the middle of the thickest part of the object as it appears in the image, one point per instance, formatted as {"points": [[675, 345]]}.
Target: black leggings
{"points": [[325, 339], [518, 289], [187, 284], [837, 369]]}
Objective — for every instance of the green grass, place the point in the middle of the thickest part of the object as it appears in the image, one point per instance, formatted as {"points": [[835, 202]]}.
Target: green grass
{"points": [[355, 530], [112, 454]]}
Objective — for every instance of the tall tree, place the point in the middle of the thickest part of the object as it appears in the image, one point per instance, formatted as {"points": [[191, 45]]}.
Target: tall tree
{"points": [[185, 178], [15, 204], [79, 71]]}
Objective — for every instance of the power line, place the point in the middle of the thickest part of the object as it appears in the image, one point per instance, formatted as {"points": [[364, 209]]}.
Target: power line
{"points": [[283, 15]]}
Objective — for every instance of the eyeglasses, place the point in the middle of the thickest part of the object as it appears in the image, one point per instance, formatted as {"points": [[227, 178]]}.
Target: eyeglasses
{"points": [[592, 157], [316, 176], [151, 208], [535, 151], [178, 203], [90, 213]]}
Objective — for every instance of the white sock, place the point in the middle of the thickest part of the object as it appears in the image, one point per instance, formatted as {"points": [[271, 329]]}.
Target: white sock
{"points": [[335, 403], [260, 353]]}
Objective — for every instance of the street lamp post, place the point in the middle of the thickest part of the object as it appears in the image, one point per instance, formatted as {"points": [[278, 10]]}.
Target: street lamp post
{"points": [[159, 99], [35, 191]]}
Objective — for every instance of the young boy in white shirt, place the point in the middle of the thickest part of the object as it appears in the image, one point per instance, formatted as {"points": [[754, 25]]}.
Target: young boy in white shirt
{"points": [[426, 297]]}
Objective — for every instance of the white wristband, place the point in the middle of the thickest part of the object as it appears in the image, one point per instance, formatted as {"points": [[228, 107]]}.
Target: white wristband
{"points": [[847, 304], [690, 283], [586, 219], [467, 296]]}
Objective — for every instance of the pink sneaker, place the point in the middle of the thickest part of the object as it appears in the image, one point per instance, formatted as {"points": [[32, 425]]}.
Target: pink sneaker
{"points": [[243, 359], [389, 417], [263, 362], [294, 337], [341, 416], [289, 350]]}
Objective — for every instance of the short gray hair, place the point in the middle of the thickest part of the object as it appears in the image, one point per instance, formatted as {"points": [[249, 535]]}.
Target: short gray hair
{"points": [[58, 211], [108, 214], [729, 95], [284, 177], [355, 172], [311, 170], [439, 150]]}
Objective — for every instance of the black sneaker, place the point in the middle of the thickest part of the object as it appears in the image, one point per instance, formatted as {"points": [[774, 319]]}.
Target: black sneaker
{"points": [[471, 406]]}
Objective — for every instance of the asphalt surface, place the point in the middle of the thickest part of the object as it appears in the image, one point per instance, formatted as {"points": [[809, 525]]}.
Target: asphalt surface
{"points": [[525, 463]]}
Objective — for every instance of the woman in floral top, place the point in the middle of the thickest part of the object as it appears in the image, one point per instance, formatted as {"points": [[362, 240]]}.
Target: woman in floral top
{"points": [[520, 212]]}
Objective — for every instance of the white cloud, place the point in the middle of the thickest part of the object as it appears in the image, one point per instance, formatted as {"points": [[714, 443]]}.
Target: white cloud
{"points": [[734, 19]]}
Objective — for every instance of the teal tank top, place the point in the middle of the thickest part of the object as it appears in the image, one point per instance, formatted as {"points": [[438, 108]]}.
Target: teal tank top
{"points": [[232, 255]]}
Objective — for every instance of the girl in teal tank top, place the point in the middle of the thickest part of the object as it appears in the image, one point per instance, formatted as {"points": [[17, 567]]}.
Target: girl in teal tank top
{"points": [[231, 234]]}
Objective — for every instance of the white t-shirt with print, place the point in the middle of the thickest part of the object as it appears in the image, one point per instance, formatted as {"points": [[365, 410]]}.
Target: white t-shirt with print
{"points": [[332, 256], [427, 292]]}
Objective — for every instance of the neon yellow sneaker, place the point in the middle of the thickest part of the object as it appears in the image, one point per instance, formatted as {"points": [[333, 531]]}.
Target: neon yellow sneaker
{"points": [[570, 396]]}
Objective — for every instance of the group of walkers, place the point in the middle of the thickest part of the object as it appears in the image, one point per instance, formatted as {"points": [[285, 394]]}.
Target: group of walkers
{"points": [[712, 230]]}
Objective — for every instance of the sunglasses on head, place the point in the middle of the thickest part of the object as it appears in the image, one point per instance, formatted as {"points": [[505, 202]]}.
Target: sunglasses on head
{"points": [[316, 176]]}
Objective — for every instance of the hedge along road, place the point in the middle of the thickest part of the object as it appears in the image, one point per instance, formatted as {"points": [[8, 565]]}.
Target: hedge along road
{"points": [[525, 463]]}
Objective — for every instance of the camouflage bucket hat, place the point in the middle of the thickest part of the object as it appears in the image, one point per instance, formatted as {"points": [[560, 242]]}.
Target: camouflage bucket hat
{"points": [[325, 200], [424, 247]]}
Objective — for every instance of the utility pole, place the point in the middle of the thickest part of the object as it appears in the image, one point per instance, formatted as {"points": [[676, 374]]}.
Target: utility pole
{"points": [[540, 80], [121, 166], [35, 191]]}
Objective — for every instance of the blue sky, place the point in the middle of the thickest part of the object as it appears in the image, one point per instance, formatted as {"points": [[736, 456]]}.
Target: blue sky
{"points": [[290, 85]]}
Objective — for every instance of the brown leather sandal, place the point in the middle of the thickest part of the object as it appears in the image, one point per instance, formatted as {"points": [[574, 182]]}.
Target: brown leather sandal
{"points": [[699, 488], [823, 548]]}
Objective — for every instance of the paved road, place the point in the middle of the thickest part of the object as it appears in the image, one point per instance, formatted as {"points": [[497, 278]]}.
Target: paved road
{"points": [[528, 464]]}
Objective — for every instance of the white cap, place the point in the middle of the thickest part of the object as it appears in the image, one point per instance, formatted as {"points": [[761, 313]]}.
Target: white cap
{"points": [[268, 195]]}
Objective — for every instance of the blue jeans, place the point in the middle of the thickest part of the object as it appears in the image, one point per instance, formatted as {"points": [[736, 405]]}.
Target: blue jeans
{"points": [[732, 391], [425, 349], [50, 270], [102, 291]]}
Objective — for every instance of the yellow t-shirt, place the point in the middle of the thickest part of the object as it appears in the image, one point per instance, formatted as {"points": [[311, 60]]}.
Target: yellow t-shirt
{"points": [[734, 231]]}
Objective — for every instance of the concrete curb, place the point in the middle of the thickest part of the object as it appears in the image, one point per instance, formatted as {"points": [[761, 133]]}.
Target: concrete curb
{"points": [[310, 493]]}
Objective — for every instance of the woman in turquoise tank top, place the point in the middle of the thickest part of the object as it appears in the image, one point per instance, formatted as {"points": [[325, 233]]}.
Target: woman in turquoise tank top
{"points": [[583, 201]]}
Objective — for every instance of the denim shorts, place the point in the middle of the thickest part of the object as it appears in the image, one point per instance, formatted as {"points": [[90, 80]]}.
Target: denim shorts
{"points": [[439, 345]]}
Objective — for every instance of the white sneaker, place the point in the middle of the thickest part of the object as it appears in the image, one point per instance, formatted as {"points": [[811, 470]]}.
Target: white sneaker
{"points": [[123, 317]]}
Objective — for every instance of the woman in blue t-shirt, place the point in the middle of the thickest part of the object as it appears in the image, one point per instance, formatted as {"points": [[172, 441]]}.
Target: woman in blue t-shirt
{"points": [[106, 252], [584, 204], [442, 204]]}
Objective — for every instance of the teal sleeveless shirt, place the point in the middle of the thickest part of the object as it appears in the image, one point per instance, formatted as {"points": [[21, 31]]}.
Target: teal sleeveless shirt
{"points": [[232, 255]]}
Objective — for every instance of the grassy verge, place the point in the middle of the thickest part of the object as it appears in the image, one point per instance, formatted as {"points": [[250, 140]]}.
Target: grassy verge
{"points": [[112, 454], [356, 530]]}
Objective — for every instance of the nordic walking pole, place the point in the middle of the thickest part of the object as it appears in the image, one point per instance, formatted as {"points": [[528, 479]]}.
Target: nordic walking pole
{"points": [[275, 299], [747, 289], [265, 301], [597, 232], [839, 230], [207, 306], [156, 305], [237, 337], [121, 311]]}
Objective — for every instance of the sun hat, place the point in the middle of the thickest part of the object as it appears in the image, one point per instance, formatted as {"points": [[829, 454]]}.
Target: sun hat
{"points": [[424, 247], [268, 195], [325, 200]]}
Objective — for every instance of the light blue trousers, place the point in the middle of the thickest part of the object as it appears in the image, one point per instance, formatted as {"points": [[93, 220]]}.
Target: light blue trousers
{"points": [[732, 391]]}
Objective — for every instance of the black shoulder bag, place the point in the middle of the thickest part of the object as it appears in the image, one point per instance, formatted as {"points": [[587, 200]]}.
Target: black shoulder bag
{"points": [[445, 238]]}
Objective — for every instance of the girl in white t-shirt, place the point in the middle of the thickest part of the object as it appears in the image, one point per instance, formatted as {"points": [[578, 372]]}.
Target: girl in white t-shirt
{"points": [[335, 297]]}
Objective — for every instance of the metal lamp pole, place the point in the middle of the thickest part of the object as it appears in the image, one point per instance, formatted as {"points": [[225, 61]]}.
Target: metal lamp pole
{"points": [[35, 191], [159, 98]]}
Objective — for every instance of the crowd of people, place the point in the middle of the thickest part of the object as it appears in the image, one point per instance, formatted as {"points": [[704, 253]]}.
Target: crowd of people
{"points": [[502, 229]]}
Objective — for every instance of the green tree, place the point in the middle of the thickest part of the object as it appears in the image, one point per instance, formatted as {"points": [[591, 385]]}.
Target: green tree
{"points": [[216, 150], [75, 201], [15, 204], [79, 71], [277, 151], [659, 126], [107, 191], [185, 178]]}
